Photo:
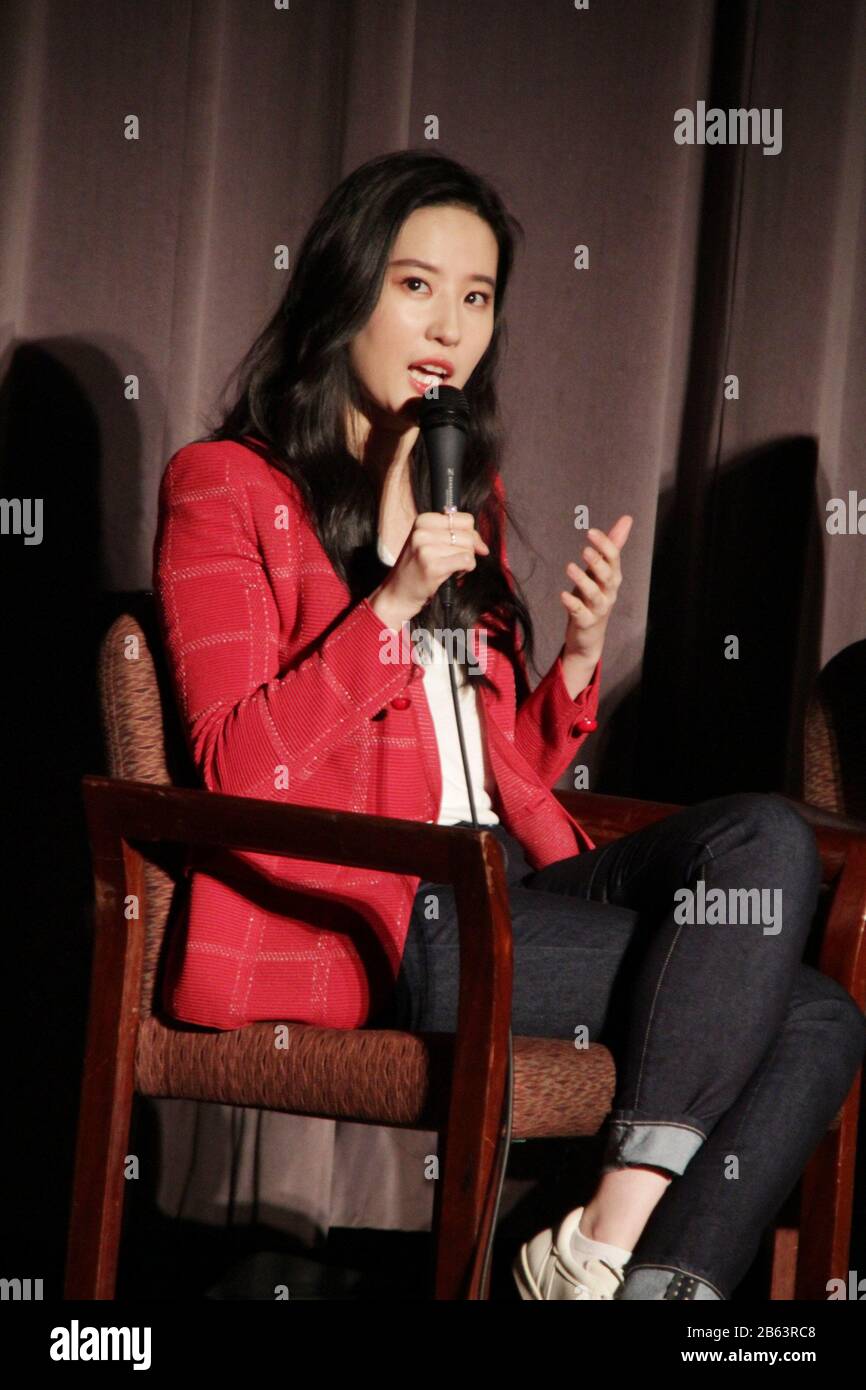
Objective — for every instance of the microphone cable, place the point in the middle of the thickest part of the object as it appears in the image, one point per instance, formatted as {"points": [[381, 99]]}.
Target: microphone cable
{"points": [[443, 419], [505, 1137]]}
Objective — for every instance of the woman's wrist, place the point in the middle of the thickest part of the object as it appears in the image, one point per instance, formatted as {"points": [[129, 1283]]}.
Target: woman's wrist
{"points": [[577, 672], [383, 606]]}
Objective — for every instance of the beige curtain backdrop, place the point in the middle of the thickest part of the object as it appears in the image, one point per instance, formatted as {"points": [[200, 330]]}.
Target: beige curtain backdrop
{"points": [[136, 271]]}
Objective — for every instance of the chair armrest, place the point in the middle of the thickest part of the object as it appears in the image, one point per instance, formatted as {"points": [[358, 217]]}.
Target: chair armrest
{"points": [[610, 817], [156, 813], [819, 815]]}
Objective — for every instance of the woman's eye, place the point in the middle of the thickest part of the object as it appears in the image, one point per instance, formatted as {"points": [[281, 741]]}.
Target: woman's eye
{"points": [[416, 280]]}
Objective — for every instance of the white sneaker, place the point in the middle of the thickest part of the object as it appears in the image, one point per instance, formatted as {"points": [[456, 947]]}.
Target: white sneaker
{"points": [[546, 1267]]}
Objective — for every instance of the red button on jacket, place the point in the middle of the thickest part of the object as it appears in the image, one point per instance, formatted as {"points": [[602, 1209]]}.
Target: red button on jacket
{"points": [[584, 725], [401, 702]]}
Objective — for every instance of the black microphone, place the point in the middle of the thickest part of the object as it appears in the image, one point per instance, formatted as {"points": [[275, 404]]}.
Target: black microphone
{"points": [[444, 422]]}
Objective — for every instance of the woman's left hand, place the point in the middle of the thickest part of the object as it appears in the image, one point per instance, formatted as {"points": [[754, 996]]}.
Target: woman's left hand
{"points": [[589, 605]]}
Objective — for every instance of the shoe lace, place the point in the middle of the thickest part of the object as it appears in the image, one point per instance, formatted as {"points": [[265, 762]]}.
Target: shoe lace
{"points": [[582, 1291], [620, 1280]]}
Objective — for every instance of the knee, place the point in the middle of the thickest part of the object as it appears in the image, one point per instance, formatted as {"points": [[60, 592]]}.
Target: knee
{"points": [[848, 1043], [781, 824], [845, 1024], [851, 1031]]}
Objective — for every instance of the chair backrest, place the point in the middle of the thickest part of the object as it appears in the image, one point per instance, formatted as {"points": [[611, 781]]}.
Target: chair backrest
{"points": [[144, 742], [141, 728], [834, 769]]}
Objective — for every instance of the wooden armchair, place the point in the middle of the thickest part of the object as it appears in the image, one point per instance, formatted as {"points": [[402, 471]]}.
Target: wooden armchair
{"points": [[140, 816]]}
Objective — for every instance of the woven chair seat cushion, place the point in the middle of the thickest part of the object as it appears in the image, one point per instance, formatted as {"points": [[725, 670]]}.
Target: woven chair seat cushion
{"points": [[375, 1076]]}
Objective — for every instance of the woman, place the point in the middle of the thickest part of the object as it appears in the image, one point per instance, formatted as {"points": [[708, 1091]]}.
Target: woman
{"points": [[294, 544]]}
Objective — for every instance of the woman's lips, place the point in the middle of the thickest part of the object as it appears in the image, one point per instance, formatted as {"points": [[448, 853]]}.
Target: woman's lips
{"points": [[421, 386]]}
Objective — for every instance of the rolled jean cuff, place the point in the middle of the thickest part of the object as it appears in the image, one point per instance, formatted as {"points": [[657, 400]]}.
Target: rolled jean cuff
{"points": [[665, 1282], [667, 1144]]}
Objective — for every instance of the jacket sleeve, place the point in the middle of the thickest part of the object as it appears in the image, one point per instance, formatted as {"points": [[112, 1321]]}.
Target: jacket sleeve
{"points": [[245, 719], [548, 729]]}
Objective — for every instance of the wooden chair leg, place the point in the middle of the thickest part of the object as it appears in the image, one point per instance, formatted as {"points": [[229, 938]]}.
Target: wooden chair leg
{"points": [[98, 1189], [783, 1275], [456, 1251], [443, 1232], [827, 1205], [452, 1239], [108, 1081]]}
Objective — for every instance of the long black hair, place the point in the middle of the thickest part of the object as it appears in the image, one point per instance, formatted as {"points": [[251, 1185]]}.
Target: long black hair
{"points": [[295, 385]]}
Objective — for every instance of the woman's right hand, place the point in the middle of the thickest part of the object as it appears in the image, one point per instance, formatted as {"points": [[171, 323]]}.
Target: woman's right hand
{"points": [[425, 562]]}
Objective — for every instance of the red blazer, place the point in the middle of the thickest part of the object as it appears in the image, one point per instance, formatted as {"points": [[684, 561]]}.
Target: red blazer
{"points": [[273, 709]]}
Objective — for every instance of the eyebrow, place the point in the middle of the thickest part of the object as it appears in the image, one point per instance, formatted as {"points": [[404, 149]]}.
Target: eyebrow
{"points": [[425, 265]]}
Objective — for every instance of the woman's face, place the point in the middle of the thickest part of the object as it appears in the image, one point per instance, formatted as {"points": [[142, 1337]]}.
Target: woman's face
{"points": [[425, 314]]}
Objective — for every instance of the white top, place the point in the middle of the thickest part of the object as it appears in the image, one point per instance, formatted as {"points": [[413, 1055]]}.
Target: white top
{"points": [[454, 805]]}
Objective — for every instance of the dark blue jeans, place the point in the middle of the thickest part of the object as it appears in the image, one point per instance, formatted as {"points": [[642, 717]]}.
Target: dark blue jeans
{"points": [[732, 1054]]}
